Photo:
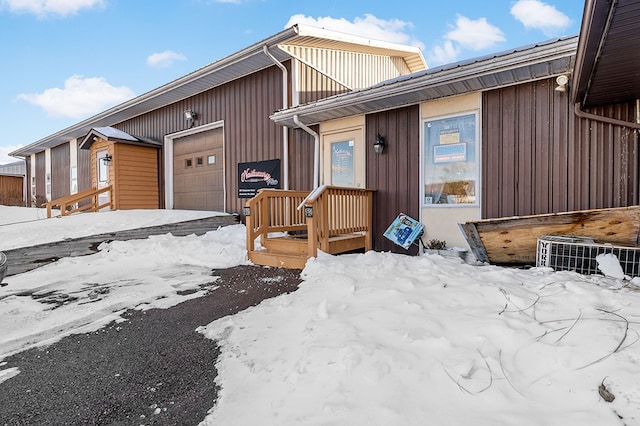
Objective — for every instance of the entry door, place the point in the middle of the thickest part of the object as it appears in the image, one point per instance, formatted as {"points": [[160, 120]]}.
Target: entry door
{"points": [[343, 159], [102, 168], [198, 171]]}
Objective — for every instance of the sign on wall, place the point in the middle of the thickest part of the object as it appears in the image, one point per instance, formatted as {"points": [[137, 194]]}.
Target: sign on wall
{"points": [[257, 175]]}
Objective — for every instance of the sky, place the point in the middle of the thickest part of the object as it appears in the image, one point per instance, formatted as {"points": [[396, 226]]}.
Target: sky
{"points": [[367, 339], [67, 60]]}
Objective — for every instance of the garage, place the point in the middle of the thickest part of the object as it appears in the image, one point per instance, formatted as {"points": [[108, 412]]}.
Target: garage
{"points": [[198, 171]]}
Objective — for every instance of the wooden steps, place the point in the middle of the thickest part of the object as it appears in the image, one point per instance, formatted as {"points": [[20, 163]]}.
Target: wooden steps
{"points": [[291, 252]]}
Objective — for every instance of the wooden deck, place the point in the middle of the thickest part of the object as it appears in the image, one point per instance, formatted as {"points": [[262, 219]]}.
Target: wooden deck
{"points": [[292, 226], [24, 259]]}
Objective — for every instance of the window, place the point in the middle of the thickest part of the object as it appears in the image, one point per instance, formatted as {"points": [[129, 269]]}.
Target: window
{"points": [[103, 170], [199, 161], [450, 160], [188, 163], [342, 166]]}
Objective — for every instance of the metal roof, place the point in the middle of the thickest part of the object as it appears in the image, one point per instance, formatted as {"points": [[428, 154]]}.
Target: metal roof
{"points": [[115, 135], [237, 65], [502, 69], [607, 69]]}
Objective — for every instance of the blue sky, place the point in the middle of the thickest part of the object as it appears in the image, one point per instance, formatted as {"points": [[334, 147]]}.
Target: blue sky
{"points": [[66, 60]]}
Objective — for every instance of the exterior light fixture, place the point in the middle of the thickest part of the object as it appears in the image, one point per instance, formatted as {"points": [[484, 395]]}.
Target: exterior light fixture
{"points": [[190, 116], [107, 159], [561, 82], [378, 145]]}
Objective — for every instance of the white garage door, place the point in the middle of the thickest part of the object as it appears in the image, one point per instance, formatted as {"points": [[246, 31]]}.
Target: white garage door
{"points": [[198, 178]]}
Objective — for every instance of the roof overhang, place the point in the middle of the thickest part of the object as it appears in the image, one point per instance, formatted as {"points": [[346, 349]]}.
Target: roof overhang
{"points": [[607, 69], [232, 67], [112, 134], [505, 69]]}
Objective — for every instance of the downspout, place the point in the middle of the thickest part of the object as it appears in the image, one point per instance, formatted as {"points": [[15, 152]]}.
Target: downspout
{"points": [[285, 105], [316, 151]]}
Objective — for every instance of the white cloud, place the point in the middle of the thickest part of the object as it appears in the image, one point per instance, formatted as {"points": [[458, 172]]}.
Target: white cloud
{"points": [[542, 16], [49, 7], [467, 34], [80, 97], [164, 59], [369, 26], [443, 54], [4, 154]]}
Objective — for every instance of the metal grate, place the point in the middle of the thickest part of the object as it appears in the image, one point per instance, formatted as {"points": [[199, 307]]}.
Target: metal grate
{"points": [[565, 253]]}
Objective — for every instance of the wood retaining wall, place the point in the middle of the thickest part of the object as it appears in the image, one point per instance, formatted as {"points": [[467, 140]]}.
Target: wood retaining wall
{"points": [[24, 259]]}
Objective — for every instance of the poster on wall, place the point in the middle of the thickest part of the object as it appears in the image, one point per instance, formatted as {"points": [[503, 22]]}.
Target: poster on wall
{"points": [[257, 175]]}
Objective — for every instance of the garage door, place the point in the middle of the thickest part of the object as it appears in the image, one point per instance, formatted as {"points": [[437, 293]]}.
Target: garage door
{"points": [[198, 172]]}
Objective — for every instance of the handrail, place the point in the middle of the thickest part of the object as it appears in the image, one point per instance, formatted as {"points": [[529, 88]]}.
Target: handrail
{"points": [[273, 210], [338, 210], [93, 206], [329, 211]]}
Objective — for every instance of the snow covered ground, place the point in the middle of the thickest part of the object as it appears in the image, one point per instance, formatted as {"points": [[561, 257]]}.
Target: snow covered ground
{"points": [[367, 339]]}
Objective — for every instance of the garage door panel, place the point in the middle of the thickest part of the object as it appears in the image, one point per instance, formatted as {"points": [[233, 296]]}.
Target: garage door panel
{"points": [[199, 185]]}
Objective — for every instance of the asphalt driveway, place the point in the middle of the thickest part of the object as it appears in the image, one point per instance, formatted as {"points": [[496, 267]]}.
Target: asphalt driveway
{"points": [[153, 369]]}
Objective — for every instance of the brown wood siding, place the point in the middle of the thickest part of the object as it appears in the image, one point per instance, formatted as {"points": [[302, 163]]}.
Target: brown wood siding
{"points": [[11, 190], [60, 173], [135, 177], [323, 86], [538, 157], [244, 105], [40, 195], [394, 174]]}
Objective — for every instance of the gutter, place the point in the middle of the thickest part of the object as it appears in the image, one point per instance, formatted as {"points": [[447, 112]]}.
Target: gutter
{"points": [[316, 151], [582, 114], [285, 105]]}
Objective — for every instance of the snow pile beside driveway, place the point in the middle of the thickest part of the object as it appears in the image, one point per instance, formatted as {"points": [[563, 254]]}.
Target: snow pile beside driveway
{"points": [[81, 294], [384, 339]]}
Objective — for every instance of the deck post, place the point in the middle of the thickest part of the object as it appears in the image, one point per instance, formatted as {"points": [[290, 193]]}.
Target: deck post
{"points": [[368, 235], [249, 227]]}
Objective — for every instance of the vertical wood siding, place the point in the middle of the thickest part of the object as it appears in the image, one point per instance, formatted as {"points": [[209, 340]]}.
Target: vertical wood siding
{"points": [[11, 190], [29, 195], [313, 85], [355, 70], [84, 170], [60, 173], [538, 157], [244, 105], [394, 174], [135, 173], [40, 178]]}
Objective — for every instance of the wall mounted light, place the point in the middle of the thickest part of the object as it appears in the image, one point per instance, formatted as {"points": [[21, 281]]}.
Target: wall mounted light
{"points": [[107, 158], [190, 116], [561, 82], [378, 145]]}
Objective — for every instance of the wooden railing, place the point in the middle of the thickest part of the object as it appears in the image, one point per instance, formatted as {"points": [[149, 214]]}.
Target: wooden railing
{"points": [[71, 203], [272, 211], [332, 219], [334, 211]]}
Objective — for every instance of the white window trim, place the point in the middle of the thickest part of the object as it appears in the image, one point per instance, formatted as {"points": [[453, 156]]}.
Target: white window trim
{"points": [[478, 160]]}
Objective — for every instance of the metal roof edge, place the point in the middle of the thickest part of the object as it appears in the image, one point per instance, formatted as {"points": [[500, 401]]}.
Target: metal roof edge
{"points": [[253, 49], [519, 57]]}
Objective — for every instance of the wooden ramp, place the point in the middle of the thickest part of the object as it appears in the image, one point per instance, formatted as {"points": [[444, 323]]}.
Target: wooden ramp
{"points": [[24, 259]]}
